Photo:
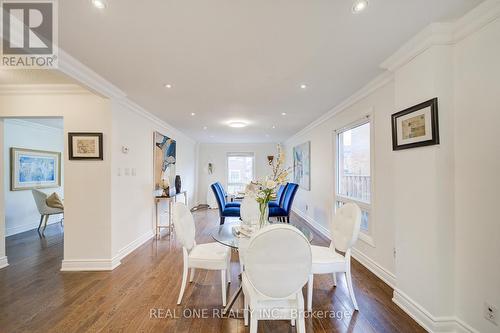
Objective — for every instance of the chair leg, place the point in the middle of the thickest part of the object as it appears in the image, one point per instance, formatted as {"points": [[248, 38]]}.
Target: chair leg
{"points": [[310, 292], [351, 290], [224, 286], [45, 224], [293, 322], [334, 279], [245, 311], [184, 280], [191, 277], [228, 270], [254, 323], [41, 221], [288, 219], [301, 324], [222, 220]]}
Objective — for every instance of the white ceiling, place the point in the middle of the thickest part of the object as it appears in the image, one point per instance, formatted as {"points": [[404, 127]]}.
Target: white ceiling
{"points": [[242, 60]]}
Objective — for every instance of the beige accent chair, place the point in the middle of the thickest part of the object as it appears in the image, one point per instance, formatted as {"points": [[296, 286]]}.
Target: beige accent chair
{"points": [[44, 210]]}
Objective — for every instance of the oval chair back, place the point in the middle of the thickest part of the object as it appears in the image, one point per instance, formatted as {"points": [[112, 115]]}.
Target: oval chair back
{"points": [[249, 210], [291, 190], [345, 226], [278, 261], [184, 225]]}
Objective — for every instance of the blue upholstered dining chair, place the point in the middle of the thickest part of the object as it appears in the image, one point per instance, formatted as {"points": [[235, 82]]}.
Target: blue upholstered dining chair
{"points": [[279, 197], [224, 209], [228, 204], [283, 212]]}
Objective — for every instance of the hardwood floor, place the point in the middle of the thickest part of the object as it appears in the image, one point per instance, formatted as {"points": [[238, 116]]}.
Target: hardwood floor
{"points": [[140, 295]]}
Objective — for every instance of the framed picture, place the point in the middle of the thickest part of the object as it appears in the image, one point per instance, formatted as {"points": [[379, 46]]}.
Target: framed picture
{"points": [[302, 165], [85, 146], [31, 169], [416, 126]]}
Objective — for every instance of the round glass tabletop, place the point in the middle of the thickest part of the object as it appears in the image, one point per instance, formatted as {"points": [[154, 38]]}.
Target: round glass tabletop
{"points": [[226, 234]]}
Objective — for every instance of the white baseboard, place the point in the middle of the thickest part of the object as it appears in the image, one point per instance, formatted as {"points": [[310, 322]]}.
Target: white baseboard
{"points": [[26, 227], [3, 262], [448, 324], [105, 264], [382, 273], [125, 251], [82, 265], [319, 228]]}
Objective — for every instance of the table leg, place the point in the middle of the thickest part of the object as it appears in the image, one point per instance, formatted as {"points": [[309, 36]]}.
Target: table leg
{"points": [[231, 301]]}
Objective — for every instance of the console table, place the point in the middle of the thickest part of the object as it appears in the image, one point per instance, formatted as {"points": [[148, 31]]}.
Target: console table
{"points": [[171, 200]]}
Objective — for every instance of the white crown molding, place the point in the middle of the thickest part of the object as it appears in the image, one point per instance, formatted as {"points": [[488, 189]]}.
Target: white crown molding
{"points": [[448, 324], [37, 126], [368, 89], [83, 265], [78, 71], [41, 89], [447, 33], [3, 262]]}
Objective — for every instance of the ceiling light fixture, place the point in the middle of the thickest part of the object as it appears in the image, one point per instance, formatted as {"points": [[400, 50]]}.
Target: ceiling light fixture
{"points": [[193, 114], [100, 4], [205, 128], [283, 113], [168, 85], [237, 124], [274, 126], [303, 86], [359, 6]]}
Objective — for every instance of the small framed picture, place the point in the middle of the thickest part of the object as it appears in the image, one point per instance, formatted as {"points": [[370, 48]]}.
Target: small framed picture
{"points": [[416, 126], [85, 146]]}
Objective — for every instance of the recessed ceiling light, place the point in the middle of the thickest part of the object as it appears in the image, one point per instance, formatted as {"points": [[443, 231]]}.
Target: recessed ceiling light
{"points": [[168, 85], [193, 114], [237, 124], [274, 126], [283, 113], [359, 6], [303, 86], [205, 128], [100, 4]]}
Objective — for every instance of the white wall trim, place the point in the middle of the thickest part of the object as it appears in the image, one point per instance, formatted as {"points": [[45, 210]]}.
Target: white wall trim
{"points": [[25, 227], [132, 246], [86, 76], [89, 265], [368, 89], [430, 323], [3, 262], [42, 89], [444, 34], [382, 273]]}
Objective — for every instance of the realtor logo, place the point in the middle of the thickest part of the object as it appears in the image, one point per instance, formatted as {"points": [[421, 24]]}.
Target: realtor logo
{"points": [[29, 34]]}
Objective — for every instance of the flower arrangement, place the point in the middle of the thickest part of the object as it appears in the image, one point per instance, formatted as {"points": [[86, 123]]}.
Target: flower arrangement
{"points": [[265, 190]]}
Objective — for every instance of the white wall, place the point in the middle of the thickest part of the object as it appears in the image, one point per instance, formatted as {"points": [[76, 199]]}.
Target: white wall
{"points": [[217, 155], [477, 162], [21, 213], [132, 198], [87, 183], [321, 196]]}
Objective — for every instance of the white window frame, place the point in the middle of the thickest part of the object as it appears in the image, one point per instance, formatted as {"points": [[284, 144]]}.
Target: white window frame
{"points": [[241, 154], [366, 236]]}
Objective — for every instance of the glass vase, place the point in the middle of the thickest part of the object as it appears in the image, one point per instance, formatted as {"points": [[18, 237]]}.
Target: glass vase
{"points": [[264, 214]]}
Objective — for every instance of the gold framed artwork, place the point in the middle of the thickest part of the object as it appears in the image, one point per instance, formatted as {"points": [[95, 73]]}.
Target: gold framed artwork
{"points": [[417, 126], [85, 146], [31, 169]]}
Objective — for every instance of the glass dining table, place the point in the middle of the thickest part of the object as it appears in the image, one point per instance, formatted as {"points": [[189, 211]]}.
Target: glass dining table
{"points": [[228, 235]]}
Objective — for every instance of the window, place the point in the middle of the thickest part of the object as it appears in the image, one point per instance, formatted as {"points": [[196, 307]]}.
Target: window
{"points": [[353, 172], [240, 171]]}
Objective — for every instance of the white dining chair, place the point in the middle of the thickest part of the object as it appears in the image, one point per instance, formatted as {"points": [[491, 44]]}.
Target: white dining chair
{"points": [[326, 260], [249, 210], [278, 263], [210, 256], [44, 210]]}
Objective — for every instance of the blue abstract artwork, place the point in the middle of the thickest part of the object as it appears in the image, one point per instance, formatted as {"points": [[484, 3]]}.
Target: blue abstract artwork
{"points": [[36, 169]]}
